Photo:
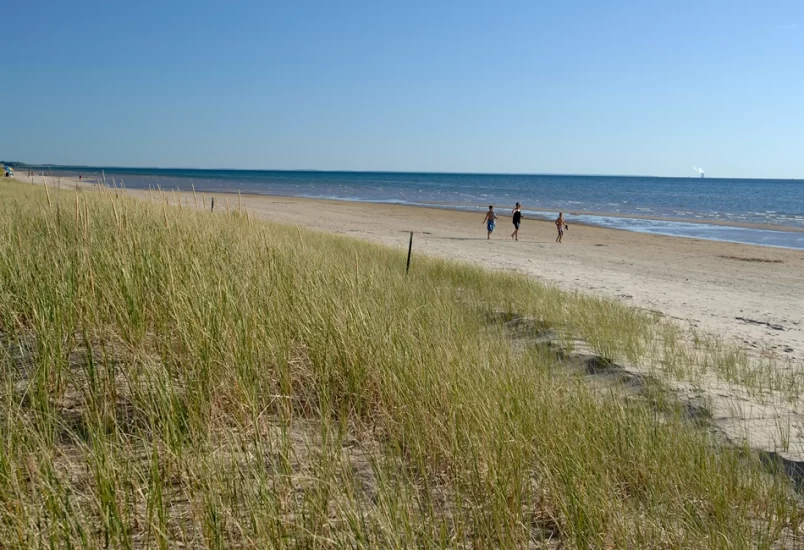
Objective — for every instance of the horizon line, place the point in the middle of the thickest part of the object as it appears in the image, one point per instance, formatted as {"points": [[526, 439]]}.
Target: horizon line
{"points": [[343, 171]]}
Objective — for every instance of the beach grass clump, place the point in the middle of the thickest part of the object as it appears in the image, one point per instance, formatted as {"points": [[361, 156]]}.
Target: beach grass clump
{"points": [[175, 377]]}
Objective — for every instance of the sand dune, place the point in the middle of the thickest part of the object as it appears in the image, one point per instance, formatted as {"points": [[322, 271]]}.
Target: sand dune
{"points": [[753, 295], [748, 295]]}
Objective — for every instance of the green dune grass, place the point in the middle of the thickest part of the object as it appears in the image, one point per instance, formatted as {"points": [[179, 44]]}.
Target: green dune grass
{"points": [[171, 376]]}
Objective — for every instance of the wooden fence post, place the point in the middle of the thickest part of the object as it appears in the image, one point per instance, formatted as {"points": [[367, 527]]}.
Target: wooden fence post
{"points": [[410, 247]]}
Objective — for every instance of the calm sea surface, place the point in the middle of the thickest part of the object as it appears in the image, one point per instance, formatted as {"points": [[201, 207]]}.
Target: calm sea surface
{"points": [[661, 205]]}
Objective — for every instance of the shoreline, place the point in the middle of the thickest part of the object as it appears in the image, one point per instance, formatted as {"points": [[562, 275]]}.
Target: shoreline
{"points": [[742, 295], [481, 209], [706, 283], [257, 310], [673, 226]]}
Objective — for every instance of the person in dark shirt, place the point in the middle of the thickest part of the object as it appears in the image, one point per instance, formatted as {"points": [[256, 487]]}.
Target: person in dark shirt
{"points": [[516, 217]]}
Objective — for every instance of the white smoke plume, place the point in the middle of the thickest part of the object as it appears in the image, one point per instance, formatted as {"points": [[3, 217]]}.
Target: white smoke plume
{"points": [[698, 170]]}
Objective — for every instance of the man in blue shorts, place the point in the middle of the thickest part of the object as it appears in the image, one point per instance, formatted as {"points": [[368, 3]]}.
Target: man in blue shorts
{"points": [[490, 220]]}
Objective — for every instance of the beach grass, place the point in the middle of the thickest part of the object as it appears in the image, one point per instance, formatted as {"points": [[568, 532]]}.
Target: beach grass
{"points": [[175, 377]]}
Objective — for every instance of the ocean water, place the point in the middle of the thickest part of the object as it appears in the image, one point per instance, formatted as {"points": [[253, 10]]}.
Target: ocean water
{"points": [[667, 206]]}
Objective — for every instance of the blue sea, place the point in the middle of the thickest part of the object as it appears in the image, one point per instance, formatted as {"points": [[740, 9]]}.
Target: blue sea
{"points": [[710, 208]]}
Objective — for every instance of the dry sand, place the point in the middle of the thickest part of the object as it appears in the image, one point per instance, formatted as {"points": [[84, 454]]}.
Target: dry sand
{"points": [[749, 295]]}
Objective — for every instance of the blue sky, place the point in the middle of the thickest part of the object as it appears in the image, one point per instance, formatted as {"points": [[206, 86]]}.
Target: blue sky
{"points": [[592, 87]]}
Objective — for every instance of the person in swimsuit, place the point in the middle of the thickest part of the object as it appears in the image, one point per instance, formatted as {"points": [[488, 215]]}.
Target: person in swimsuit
{"points": [[516, 217], [490, 220], [561, 225]]}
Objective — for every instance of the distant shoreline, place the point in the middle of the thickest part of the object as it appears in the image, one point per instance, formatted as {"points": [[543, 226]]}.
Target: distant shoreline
{"points": [[539, 214], [707, 283], [777, 236], [744, 225], [135, 169]]}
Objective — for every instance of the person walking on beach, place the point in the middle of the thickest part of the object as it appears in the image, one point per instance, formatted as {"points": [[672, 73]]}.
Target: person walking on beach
{"points": [[561, 225], [516, 217], [490, 220]]}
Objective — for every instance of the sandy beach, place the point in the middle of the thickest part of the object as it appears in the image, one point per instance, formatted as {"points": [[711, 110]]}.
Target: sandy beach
{"points": [[749, 294]]}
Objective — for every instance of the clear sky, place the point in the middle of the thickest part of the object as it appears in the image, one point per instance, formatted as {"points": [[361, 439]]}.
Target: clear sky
{"points": [[616, 87]]}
